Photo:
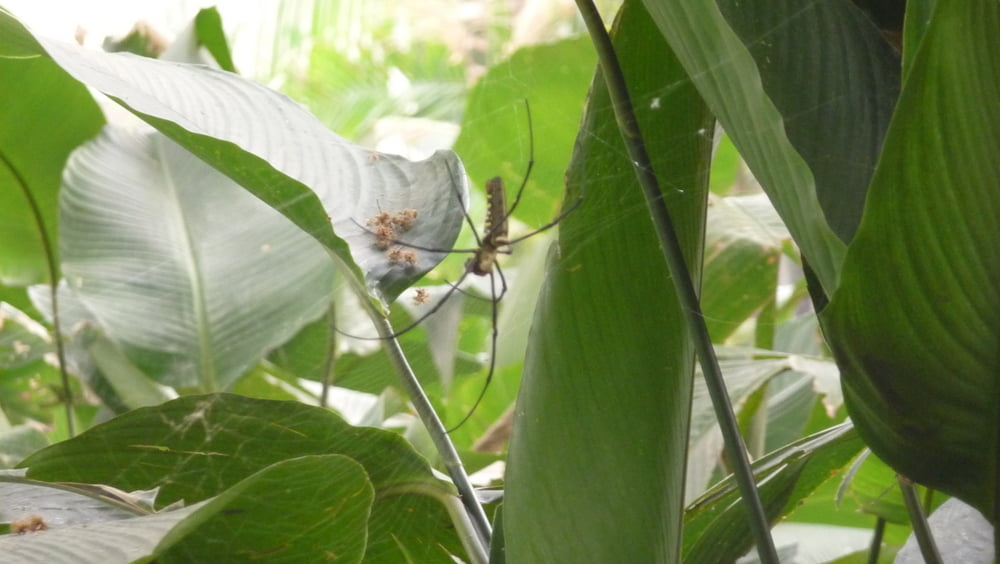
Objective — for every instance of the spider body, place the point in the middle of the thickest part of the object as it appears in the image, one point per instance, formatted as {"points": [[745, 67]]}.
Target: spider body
{"points": [[495, 230]]}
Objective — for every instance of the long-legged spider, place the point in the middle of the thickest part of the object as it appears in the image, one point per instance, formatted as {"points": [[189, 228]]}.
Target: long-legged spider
{"points": [[493, 241]]}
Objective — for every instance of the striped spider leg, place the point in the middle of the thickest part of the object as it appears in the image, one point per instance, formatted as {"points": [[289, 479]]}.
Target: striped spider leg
{"points": [[493, 241]]}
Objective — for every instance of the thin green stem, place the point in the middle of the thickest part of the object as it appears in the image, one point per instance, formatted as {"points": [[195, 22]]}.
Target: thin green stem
{"points": [[466, 530], [683, 285], [50, 263], [445, 448], [329, 363], [921, 529]]}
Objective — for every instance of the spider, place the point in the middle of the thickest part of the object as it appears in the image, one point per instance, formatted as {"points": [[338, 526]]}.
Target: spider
{"points": [[493, 241]]}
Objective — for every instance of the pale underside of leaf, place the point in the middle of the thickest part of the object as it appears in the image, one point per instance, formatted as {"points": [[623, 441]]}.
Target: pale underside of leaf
{"points": [[215, 113]]}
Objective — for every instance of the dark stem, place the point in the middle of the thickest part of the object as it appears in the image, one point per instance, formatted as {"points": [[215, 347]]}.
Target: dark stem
{"points": [[50, 262], [683, 285], [921, 528], [876, 546]]}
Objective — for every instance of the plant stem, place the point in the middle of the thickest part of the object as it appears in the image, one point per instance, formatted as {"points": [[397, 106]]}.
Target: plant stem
{"points": [[876, 545], [683, 285], [921, 529], [445, 448], [50, 263], [329, 362]]}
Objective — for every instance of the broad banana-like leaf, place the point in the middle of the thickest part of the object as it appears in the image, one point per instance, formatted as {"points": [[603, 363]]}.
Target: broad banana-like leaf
{"points": [[194, 277], [191, 315], [551, 80], [280, 153], [805, 93], [602, 414], [307, 508], [742, 248], [834, 78], [915, 325]]}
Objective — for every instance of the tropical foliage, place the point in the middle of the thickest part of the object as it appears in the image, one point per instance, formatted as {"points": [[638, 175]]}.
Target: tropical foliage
{"points": [[194, 356]]}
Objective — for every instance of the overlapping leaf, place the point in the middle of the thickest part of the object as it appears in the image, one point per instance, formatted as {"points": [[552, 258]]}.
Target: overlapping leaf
{"points": [[193, 276], [197, 447], [916, 323], [302, 509], [606, 390], [280, 153]]}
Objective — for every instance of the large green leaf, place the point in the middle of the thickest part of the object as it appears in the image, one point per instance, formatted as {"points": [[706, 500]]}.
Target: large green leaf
{"points": [[194, 277], [94, 358], [311, 508], [44, 115], [915, 325], [875, 488], [197, 447], [495, 139], [727, 76], [834, 79], [279, 152], [302, 509], [600, 431]]}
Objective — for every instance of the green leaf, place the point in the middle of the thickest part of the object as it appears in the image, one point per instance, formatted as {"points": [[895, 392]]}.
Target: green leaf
{"points": [[188, 45], [727, 77], [425, 537], [715, 526], [495, 139], [194, 277], [45, 114], [291, 511], [741, 262], [744, 376], [227, 436], [835, 80], [311, 508], [131, 386], [607, 379], [211, 35], [196, 447], [915, 324], [94, 358], [873, 486], [281, 154]]}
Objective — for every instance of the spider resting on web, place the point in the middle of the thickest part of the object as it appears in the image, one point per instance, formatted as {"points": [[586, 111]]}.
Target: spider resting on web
{"points": [[493, 241]]}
